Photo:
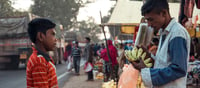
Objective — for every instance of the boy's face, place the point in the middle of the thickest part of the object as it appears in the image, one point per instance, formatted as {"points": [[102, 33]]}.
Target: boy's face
{"points": [[50, 40]]}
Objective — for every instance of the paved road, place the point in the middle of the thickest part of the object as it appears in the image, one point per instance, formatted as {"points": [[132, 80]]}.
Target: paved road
{"points": [[17, 78]]}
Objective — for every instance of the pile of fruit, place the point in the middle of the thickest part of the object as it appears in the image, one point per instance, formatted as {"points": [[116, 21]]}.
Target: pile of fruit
{"points": [[109, 84], [99, 76], [139, 53]]}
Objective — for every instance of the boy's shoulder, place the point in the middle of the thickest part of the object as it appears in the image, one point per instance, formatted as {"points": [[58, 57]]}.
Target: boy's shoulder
{"points": [[37, 59]]}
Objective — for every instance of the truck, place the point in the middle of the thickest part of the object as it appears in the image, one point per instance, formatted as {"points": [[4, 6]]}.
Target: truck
{"points": [[15, 45]]}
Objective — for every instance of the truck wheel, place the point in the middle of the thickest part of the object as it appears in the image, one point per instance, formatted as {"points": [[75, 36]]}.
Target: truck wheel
{"points": [[14, 62]]}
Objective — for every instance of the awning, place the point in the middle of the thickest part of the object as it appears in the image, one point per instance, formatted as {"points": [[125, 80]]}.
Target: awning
{"points": [[129, 11]]}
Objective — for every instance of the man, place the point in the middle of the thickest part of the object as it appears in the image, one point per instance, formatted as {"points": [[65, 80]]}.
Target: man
{"points": [[41, 72], [196, 49], [76, 53], [89, 57], [170, 67]]}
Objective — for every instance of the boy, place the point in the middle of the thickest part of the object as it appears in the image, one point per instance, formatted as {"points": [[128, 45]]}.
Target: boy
{"points": [[41, 72]]}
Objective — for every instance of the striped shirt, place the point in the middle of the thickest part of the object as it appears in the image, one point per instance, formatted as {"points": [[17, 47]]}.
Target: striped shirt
{"points": [[40, 71]]}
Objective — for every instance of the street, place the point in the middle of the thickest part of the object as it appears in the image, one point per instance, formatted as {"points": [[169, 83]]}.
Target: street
{"points": [[17, 78]]}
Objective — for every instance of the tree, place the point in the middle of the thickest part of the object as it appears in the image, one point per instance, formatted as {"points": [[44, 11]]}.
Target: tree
{"points": [[5, 8], [89, 29], [63, 11]]}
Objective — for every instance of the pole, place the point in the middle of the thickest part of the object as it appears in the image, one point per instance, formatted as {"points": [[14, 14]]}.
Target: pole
{"points": [[110, 63]]}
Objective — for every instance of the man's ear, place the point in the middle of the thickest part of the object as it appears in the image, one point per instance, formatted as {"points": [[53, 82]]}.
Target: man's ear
{"points": [[164, 13], [40, 36]]}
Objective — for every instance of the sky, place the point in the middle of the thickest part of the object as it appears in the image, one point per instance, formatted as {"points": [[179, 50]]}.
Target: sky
{"points": [[90, 10]]}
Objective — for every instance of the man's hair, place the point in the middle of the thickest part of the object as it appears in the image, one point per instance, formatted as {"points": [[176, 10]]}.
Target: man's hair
{"points": [[87, 38], [154, 5], [39, 25]]}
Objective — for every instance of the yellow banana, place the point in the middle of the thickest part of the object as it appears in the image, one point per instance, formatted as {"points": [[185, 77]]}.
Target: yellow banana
{"points": [[139, 52], [126, 53], [134, 52], [149, 65], [147, 60], [129, 55], [143, 56]]}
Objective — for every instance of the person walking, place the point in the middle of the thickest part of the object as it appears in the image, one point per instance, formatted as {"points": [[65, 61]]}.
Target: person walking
{"points": [[40, 70], [76, 53], [171, 60]]}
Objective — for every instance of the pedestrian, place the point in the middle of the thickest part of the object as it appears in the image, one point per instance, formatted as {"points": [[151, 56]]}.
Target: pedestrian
{"points": [[40, 70], [68, 51], [114, 63], [88, 53], [171, 60], [76, 53], [196, 45], [154, 47]]}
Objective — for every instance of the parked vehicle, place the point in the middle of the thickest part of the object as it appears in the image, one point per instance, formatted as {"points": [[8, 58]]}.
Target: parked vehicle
{"points": [[15, 46]]}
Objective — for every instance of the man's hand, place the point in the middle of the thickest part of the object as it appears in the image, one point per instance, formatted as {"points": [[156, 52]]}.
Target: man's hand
{"points": [[139, 65]]}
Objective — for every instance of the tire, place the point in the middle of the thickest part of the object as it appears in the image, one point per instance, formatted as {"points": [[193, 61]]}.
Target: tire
{"points": [[14, 62]]}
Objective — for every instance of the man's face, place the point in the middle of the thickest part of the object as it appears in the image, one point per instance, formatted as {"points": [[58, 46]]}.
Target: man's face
{"points": [[155, 20], [50, 40]]}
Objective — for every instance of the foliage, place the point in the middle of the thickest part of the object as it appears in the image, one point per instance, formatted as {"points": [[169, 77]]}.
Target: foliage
{"points": [[63, 11], [5, 8], [89, 29]]}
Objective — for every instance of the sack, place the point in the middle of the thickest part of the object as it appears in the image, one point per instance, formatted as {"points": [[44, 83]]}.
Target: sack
{"points": [[69, 63], [129, 77], [88, 67]]}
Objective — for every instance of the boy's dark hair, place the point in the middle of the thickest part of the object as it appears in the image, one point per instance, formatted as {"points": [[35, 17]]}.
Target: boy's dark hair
{"points": [[87, 38], [39, 25], [154, 5]]}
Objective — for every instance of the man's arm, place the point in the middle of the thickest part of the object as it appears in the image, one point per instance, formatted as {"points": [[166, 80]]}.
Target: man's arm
{"points": [[40, 76], [178, 54]]}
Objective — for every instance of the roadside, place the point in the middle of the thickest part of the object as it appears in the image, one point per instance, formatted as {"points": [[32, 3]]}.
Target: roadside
{"points": [[80, 81]]}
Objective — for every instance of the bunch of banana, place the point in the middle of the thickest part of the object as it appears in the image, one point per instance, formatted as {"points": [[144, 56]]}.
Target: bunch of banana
{"points": [[137, 53], [131, 55]]}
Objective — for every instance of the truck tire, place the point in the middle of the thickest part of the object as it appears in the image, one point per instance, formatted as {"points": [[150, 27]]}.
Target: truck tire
{"points": [[14, 62]]}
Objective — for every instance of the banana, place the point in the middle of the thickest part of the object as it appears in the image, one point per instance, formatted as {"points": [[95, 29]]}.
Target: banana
{"points": [[143, 56], [129, 55], [134, 52], [147, 60], [140, 51], [126, 53], [149, 65]]}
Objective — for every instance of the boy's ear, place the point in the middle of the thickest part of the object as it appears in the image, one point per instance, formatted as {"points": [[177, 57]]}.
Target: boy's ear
{"points": [[40, 36]]}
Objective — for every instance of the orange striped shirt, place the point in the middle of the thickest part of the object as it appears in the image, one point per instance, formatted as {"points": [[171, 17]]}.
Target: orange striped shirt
{"points": [[40, 71]]}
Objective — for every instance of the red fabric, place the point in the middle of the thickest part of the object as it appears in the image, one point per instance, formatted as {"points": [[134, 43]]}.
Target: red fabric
{"points": [[195, 21], [40, 73], [112, 52], [188, 8], [198, 3]]}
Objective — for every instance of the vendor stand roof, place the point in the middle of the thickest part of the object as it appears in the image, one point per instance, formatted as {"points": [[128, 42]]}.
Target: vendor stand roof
{"points": [[128, 13]]}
